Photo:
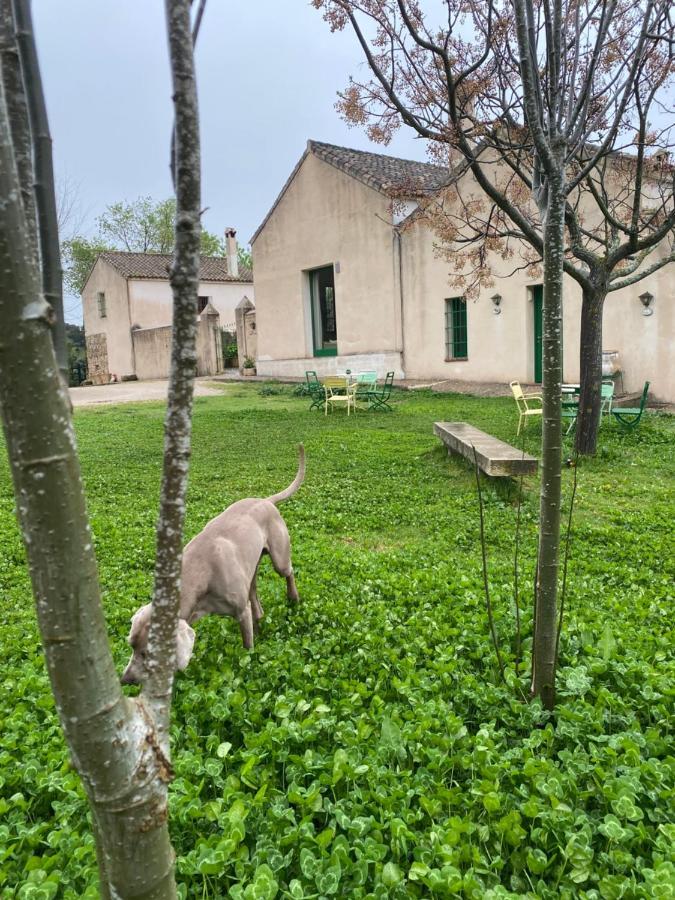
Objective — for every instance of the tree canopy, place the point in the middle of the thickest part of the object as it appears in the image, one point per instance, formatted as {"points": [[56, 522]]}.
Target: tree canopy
{"points": [[144, 225]]}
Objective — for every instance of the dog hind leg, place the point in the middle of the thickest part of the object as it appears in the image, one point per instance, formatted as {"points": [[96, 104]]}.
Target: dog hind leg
{"points": [[246, 626], [256, 607], [279, 550]]}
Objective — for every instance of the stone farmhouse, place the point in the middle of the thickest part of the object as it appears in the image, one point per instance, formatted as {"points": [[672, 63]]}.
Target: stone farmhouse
{"points": [[344, 279], [127, 307]]}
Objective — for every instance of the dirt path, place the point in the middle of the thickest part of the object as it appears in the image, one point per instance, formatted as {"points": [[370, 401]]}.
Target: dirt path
{"points": [[133, 392]]}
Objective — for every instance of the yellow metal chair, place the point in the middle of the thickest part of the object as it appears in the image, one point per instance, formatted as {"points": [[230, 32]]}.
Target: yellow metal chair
{"points": [[522, 402], [339, 392]]}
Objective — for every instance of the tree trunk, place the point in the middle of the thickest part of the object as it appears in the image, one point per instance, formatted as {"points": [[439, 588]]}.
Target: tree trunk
{"points": [[544, 645], [43, 181], [590, 368], [119, 746], [111, 739], [177, 432]]}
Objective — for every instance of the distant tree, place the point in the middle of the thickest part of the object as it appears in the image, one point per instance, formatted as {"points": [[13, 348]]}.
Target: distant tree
{"points": [[77, 354], [79, 255], [140, 226], [245, 258]]}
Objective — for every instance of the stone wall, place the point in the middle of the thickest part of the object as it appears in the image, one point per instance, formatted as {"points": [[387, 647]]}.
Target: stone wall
{"points": [[97, 358], [152, 348]]}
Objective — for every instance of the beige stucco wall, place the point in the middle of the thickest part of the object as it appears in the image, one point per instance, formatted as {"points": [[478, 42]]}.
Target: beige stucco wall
{"points": [[501, 347], [115, 325], [151, 301], [328, 217], [325, 217], [152, 349]]}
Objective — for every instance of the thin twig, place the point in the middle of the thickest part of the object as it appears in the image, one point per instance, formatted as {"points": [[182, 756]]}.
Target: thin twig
{"points": [[563, 590], [534, 610], [485, 575], [515, 568], [198, 22]]}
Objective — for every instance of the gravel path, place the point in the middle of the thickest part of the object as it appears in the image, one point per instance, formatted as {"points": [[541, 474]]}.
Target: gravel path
{"points": [[133, 392]]}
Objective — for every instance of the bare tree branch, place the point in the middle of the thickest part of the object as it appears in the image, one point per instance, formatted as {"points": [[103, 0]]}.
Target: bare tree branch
{"points": [[48, 228]]}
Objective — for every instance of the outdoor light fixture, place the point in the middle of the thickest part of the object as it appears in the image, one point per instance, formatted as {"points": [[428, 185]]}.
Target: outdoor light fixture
{"points": [[646, 300], [497, 301]]}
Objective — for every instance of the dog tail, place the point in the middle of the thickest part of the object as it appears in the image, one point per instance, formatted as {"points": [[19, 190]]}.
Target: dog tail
{"points": [[295, 484]]}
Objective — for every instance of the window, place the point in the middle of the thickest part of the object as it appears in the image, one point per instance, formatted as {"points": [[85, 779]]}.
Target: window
{"points": [[324, 325], [456, 338], [201, 303], [100, 300]]}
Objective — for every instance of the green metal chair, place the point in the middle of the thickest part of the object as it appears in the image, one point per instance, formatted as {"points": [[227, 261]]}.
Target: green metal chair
{"points": [[366, 383], [606, 397], [315, 390], [629, 417], [569, 413], [378, 398]]}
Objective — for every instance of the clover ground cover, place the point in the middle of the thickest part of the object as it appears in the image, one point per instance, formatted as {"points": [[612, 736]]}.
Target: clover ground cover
{"points": [[365, 748]]}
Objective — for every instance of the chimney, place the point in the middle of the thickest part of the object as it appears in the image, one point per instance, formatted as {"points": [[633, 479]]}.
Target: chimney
{"points": [[231, 252]]}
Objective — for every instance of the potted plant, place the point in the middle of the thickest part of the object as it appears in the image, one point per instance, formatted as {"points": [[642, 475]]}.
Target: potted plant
{"points": [[230, 355], [249, 366]]}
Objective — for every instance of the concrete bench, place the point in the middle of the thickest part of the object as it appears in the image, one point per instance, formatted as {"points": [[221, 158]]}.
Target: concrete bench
{"points": [[494, 456]]}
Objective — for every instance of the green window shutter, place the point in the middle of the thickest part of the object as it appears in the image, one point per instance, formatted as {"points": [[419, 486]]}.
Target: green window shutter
{"points": [[460, 343], [448, 329], [456, 335]]}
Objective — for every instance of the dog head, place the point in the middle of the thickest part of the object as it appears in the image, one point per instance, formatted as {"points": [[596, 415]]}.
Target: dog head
{"points": [[136, 670]]}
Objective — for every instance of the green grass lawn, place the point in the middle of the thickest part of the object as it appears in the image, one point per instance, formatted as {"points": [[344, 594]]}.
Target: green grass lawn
{"points": [[366, 748]]}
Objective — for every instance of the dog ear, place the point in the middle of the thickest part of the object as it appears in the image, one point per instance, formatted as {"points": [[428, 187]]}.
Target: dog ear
{"points": [[138, 620], [185, 639]]}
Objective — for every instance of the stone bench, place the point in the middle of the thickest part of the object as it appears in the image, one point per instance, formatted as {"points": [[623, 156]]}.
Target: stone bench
{"points": [[494, 457]]}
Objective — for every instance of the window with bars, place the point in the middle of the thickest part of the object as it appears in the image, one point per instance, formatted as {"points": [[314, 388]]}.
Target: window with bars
{"points": [[202, 303], [100, 300], [456, 336]]}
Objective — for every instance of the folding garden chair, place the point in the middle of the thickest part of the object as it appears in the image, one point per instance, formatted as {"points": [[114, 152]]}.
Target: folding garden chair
{"points": [[524, 410], [337, 392], [378, 397], [315, 390], [606, 397], [630, 417], [366, 383]]}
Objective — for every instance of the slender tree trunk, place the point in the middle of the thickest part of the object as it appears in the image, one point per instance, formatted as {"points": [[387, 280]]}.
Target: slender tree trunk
{"points": [[590, 367], [119, 746], [45, 197], [112, 739], [184, 284], [543, 674]]}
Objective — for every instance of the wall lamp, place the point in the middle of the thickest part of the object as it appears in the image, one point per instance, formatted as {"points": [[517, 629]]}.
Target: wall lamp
{"points": [[497, 302], [646, 300]]}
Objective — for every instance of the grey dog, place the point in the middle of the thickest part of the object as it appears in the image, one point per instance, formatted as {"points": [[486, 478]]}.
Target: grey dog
{"points": [[219, 574]]}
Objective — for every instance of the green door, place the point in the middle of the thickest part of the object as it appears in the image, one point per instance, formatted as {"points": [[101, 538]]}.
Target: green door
{"points": [[537, 304]]}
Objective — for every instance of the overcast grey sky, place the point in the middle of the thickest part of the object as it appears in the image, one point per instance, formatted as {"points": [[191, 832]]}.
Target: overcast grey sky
{"points": [[268, 74]]}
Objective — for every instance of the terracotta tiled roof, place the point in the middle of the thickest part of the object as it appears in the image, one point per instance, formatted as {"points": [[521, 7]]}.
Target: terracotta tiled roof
{"points": [[156, 265], [384, 173], [387, 174]]}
